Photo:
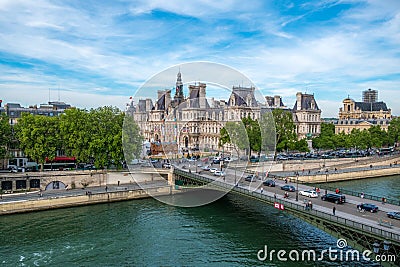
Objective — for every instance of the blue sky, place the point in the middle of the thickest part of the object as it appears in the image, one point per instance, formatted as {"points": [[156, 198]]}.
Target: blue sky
{"points": [[95, 53]]}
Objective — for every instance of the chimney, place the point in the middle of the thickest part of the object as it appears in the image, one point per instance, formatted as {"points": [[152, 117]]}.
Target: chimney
{"points": [[149, 104], [160, 94], [298, 100], [167, 98], [277, 101], [202, 95]]}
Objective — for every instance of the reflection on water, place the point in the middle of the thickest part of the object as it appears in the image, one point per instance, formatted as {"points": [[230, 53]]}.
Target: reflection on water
{"points": [[228, 232]]}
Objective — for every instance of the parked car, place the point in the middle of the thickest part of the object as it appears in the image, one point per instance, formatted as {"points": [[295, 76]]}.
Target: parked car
{"points": [[167, 165], [216, 161], [394, 214], [289, 188], [206, 168], [368, 207], [308, 193], [213, 170], [270, 183], [250, 178], [335, 198], [219, 173]]}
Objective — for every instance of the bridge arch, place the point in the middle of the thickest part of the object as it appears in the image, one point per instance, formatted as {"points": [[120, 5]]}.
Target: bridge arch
{"points": [[54, 185]]}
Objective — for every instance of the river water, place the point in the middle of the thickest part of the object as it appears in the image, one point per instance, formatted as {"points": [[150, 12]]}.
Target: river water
{"points": [[228, 232]]}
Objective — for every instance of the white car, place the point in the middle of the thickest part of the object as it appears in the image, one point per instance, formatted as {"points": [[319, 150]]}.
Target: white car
{"points": [[219, 173], [213, 170], [206, 168], [308, 193]]}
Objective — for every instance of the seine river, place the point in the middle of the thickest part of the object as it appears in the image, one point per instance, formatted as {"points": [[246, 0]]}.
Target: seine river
{"points": [[146, 232]]}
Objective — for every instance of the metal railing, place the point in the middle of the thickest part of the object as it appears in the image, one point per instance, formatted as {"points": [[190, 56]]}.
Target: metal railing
{"points": [[289, 205]]}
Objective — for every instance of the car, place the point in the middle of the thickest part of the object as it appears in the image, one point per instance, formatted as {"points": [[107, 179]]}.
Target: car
{"points": [[335, 198], [167, 165], [270, 183], [219, 173], [250, 178], [289, 188], [367, 207], [394, 214], [308, 193], [206, 168], [216, 161], [213, 170]]}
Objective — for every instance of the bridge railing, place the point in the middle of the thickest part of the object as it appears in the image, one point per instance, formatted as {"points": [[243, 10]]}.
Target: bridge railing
{"points": [[294, 206]]}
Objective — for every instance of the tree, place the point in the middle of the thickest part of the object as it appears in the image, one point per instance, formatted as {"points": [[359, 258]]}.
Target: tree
{"points": [[234, 133], [76, 134], [132, 140], [326, 138], [285, 129], [394, 131], [105, 129], [5, 135], [38, 136], [253, 134]]}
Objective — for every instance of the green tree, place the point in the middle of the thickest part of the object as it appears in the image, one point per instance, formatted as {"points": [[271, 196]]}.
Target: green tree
{"points": [[76, 134], [5, 135], [38, 136], [132, 140], [253, 134], [285, 129], [394, 131], [326, 138], [105, 144], [234, 133]]}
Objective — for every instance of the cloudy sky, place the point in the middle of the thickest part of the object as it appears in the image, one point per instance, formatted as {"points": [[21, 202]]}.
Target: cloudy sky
{"points": [[94, 53]]}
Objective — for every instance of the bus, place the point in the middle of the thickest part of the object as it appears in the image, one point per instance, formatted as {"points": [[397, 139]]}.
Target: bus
{"points": [[60, 163], [385, 151]]}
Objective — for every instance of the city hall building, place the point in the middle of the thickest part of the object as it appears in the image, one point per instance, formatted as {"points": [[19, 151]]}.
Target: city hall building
{"points": [[194, 122]]}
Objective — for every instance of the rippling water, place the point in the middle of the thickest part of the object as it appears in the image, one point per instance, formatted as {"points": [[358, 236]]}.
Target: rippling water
{"points": [[228, 232]]}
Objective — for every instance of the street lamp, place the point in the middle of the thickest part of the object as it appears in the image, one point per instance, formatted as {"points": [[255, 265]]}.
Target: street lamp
{"points": [[326, 183], [297, 187], [376, 246], [386, 247]]}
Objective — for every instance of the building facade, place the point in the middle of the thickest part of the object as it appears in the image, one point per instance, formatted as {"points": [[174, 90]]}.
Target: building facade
{"points": [[363, 115], [14, 112], [194, 122]]}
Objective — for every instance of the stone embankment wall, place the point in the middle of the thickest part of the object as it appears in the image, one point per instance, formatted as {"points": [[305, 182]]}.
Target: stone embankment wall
{"points": [[71, 201], [82, 179], [340, 163]]}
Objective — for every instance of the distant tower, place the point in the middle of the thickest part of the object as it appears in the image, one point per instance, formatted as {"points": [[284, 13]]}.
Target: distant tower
{"points": [[178, 98], [370, 96]]}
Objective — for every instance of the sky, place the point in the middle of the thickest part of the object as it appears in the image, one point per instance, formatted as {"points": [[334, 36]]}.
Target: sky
{"points": [[95, 53]]}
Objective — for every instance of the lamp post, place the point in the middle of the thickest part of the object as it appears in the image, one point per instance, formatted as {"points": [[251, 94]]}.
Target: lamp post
{"points": [[376, 246], [297, 187], [386, 247], [326, 183]]}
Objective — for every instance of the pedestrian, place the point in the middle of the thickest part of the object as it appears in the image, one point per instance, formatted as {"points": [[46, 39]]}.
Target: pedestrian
{"points": [[337, 191], [285, 180], [106, 188], [118, 183], [334, 210], [310, 204], [307, 206], [362, 195], [383, 201], [275, 196], [262, 190]]}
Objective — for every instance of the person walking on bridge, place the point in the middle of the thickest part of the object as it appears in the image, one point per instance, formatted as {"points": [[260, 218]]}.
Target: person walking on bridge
{"points": [[334, 210]]}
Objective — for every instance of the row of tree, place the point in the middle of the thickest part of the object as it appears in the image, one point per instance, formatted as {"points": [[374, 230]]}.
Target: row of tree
{"points": [[375, 136], [90, 136], [274, 131]]}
